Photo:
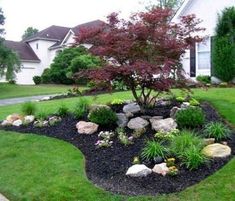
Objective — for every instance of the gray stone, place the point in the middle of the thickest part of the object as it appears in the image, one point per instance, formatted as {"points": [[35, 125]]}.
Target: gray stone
{"points": [[2, 198], [137, 123], [86, 127], [6, 123], [18, 122], [122, 120], [215, 80], [165, 125], [131, 107], [161, 169], [138, 170], [173, 112], [154, 118], [208, 141], [29, 119], [185, 105], [129, 114], [216, 151]]}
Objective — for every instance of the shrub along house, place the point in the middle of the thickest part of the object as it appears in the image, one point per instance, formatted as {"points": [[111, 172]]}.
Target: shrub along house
{"points": [[37, 53], [197, 61]]}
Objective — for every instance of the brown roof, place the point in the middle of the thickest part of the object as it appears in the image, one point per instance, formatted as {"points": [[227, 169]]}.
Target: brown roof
{"points": [[92, 24], [51, 33], [24, 51]]}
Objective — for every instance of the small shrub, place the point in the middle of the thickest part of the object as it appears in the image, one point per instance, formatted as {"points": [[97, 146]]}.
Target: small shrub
{"points": [[12, 82], [117, 102], [153, 149], [62, 111], [29, 108], [192, 157], [194, 102], [205, 79], [37, 80], [173, 171], [138, 132], [191, 117], [217, 130], [136, 160], [41, 115], [184, 140], [103, 116], [122, 136], [166, 136], [170, 162], [81, 108], [105, 141], [223, 84], [180, 99]]}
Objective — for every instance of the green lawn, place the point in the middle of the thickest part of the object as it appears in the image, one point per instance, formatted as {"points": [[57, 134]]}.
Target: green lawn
{"points": [[40, 168], [13, 91]]}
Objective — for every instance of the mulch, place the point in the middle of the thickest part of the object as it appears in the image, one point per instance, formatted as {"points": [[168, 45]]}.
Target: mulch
{"points": [[106, 167]]}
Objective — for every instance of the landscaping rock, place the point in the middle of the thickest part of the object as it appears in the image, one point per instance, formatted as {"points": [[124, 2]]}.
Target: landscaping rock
{"points": [[216, 150], [6, 123], [161, 169], [215, 80], [155, 118], [132, 108], [138, 170], [2, 198], [173, 112], [86, 127], [95, 107], [209, 141], [137, 123], [165, 125], [129, 114], [185, 105], [54, 120], [158, 160], [122, 120], [18, 122], [29, 119], [13, 117]]}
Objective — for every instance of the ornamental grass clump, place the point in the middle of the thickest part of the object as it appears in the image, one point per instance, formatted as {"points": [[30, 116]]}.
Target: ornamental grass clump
{"points": [[217, 130], [62, 111], [153, 149], [29, 108], [191, 117], [103, 116], [81, 108]]}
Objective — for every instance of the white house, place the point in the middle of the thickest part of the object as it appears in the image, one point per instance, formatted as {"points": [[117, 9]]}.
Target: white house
{"points": [[197, 61], [37, 52]]}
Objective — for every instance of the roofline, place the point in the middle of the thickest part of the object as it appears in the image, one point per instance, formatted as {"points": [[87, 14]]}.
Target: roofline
{"points": [[67, 35], [40, 38], [183, 7], [30, 61]]}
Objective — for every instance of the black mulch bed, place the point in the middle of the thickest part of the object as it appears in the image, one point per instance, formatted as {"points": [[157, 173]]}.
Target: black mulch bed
{"points": [[106, 167]]}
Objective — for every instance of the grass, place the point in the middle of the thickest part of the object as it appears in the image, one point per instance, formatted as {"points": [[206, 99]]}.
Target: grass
{"points": [[13, 91], [32, 169]]}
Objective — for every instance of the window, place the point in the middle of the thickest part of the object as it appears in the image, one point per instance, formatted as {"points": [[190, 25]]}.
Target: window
{"points": [[203, 53]]}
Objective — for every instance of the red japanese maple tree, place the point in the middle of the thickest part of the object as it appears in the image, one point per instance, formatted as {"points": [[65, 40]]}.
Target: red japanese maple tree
{"points": [[143, 52]]}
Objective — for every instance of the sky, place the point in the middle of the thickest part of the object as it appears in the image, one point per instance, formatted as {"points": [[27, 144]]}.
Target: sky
{"points": [[40, 14]]}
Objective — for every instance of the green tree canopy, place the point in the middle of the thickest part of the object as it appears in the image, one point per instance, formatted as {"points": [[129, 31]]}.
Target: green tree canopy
{"points": [[172, 4], [30, 31], [223, 52], [9, 61]]}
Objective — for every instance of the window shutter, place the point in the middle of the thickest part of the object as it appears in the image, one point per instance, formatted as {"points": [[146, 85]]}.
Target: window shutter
{"points": [[193, 61]]}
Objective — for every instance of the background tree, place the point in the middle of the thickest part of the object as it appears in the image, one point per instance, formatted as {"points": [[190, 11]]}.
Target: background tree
{"points": [[172, 4], [223, 51], [144, 50], [30, 31], [67, 62], [9, 61]]}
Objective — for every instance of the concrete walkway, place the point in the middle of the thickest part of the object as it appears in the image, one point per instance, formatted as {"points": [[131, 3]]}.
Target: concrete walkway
{"points": [[2, 198], [12, 101]]}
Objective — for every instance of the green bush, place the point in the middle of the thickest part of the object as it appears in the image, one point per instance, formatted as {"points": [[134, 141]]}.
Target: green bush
{"points": [[223, 49], [153, 149], [62, 111], [185, 139], [205, 79], [191, 117], [29, 108], [217, 130], [192, 157], [103, 116], [37, 80], [41, 115], [81, 108]]}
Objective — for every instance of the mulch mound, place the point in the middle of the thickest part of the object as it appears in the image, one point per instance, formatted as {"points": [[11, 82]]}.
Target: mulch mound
{"points": [[106, 167]]}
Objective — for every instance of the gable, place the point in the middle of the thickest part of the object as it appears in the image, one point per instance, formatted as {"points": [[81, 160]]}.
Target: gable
{"points": [[207, 11]]}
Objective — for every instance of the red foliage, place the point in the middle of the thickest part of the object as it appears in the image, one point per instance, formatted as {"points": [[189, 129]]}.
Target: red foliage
{"points": [[145, 51]]}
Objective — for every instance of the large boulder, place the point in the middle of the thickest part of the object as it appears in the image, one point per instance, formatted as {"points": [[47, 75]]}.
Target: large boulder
{"points": [[131, 108], [122, 120], [18, 122], [216, 151], [165, 125], [13, 117], [137, 123], [29, 119], [86, 127], [161, 169], [138, 170]]}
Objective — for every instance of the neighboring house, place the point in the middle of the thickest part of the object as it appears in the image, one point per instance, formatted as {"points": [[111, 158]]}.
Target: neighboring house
{"points": [[37, 52], [197, 61]]}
